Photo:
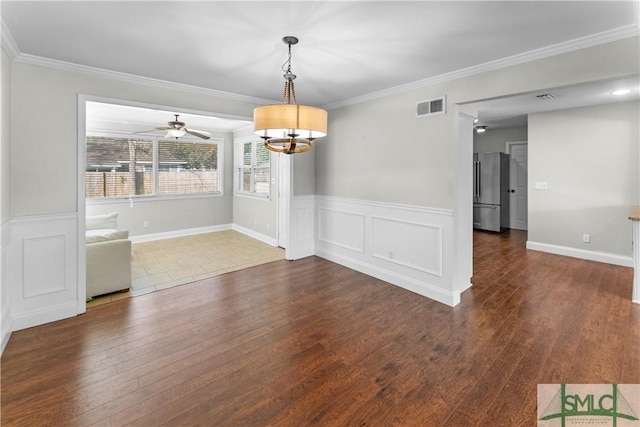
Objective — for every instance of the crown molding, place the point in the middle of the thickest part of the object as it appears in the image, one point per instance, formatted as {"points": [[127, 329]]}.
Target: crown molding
{"points": [[7, 43], [9, 46], [545, 52], [23, 58]]}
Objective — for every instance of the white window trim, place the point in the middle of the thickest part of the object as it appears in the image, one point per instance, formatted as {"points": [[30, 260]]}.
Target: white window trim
{"points": [[238, 152], [155, 196]]}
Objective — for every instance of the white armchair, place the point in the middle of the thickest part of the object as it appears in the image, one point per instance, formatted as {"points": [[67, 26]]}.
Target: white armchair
{"points": [[108, 256]]}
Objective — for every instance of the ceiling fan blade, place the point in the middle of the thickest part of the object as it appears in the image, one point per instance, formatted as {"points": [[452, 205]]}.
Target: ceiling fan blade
{"points": [[146, 131], [199, 133]]}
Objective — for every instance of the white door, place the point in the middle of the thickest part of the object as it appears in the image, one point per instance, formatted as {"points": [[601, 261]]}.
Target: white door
{"points": [[518, 184]]}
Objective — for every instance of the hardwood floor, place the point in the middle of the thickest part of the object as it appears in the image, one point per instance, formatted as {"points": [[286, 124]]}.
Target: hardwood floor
{"points": [[312, 343]]}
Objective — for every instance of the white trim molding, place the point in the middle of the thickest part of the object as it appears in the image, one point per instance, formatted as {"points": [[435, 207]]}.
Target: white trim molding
{"points": [[28, 59], [254, 234], [178, 233], [7, 43], [545, 52], [635, 296], [615, 259], [407, 246]]}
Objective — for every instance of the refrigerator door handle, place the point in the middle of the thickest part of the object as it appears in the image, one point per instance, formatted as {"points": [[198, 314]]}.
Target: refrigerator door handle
{"points": [[479, 174], [475, 178]]}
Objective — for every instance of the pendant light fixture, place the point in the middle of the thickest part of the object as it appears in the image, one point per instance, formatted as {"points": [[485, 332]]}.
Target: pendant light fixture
{"points": [[288, 127]]}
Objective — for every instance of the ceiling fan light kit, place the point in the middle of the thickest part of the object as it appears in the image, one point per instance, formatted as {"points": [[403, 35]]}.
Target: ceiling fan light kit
{"points": [[175, 133], [288, 127]]}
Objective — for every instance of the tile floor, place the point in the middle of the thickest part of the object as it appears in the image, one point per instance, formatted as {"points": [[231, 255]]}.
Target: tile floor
{"points": [[162, 264]]}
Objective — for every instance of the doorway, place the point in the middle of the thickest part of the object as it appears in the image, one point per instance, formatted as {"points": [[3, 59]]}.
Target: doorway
{"points": [[518, 193]]}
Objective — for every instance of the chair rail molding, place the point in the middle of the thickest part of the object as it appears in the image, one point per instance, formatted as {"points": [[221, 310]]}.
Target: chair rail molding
{"points": [[407, 246]]}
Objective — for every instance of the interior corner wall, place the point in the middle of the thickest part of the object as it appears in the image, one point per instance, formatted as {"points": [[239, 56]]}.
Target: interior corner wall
{"points": [[5, 200], [257, 217], [495, 140], [5, 154], [589, 159]]}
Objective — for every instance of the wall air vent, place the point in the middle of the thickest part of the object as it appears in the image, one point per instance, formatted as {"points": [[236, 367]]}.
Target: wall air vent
{"points": [[431, 107]]}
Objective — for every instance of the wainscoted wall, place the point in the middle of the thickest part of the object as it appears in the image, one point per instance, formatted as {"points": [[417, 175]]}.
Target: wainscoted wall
{"points": [[6, 324], [43, 276], [301, 227], [411, 247]]}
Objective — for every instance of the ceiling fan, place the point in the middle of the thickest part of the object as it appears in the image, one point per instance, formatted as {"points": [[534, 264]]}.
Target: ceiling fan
{"points": [[176, 129]]}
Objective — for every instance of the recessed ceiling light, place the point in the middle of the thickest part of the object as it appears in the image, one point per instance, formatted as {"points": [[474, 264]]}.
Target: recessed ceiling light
{"points": [[621, 92], [480, 129]]}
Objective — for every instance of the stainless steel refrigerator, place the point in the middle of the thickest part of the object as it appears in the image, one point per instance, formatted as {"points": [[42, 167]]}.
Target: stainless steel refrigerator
{"points": [[491, 191]]}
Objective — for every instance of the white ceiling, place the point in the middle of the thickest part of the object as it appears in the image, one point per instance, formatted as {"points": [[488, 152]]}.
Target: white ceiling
{"points": [[128, 118], [347, 49]]}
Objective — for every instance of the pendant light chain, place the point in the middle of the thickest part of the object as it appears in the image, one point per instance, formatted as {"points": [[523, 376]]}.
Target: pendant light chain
{"points": [[289, 89]]}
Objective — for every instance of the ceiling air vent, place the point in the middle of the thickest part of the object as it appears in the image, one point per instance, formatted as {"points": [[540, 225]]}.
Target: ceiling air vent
{"points": [[545, 96], [430, 107]]}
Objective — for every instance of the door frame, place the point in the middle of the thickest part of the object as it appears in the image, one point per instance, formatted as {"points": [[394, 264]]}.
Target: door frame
{"points": [[284, 201]]}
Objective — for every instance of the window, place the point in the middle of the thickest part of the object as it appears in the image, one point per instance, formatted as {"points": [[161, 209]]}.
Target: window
{"points": [[253, 169], [118, 166], [187, 167]]}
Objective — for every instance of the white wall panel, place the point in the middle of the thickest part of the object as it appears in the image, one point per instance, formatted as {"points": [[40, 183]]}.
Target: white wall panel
{"points": [[302, 228], [411, 244], [408, 246], [44, 285], [341, 228], [47, 253]]}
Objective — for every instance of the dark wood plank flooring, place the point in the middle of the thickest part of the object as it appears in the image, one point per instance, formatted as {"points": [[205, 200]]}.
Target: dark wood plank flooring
{"points": [[313, 343]]}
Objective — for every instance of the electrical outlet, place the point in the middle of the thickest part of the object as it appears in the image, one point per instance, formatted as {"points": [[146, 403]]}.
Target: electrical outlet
{"points": [[586, 238], [145, 224]]}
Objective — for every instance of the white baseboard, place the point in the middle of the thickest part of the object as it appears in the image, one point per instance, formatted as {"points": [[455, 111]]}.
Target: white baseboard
{"points": [[258, 236], [179, 233], [44, 315], [605, 257], [407, 246], [201, 230], [7, 327], [436, 293]]}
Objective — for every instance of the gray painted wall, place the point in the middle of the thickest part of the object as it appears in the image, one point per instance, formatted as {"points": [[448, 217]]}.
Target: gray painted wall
{"points": [[257, 214], [589, 158], [494, 140], [378, 150], [5, 138], [44, 130]]}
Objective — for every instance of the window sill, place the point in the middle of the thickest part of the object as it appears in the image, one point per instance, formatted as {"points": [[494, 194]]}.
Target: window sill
{"points": [[137, 199]]}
